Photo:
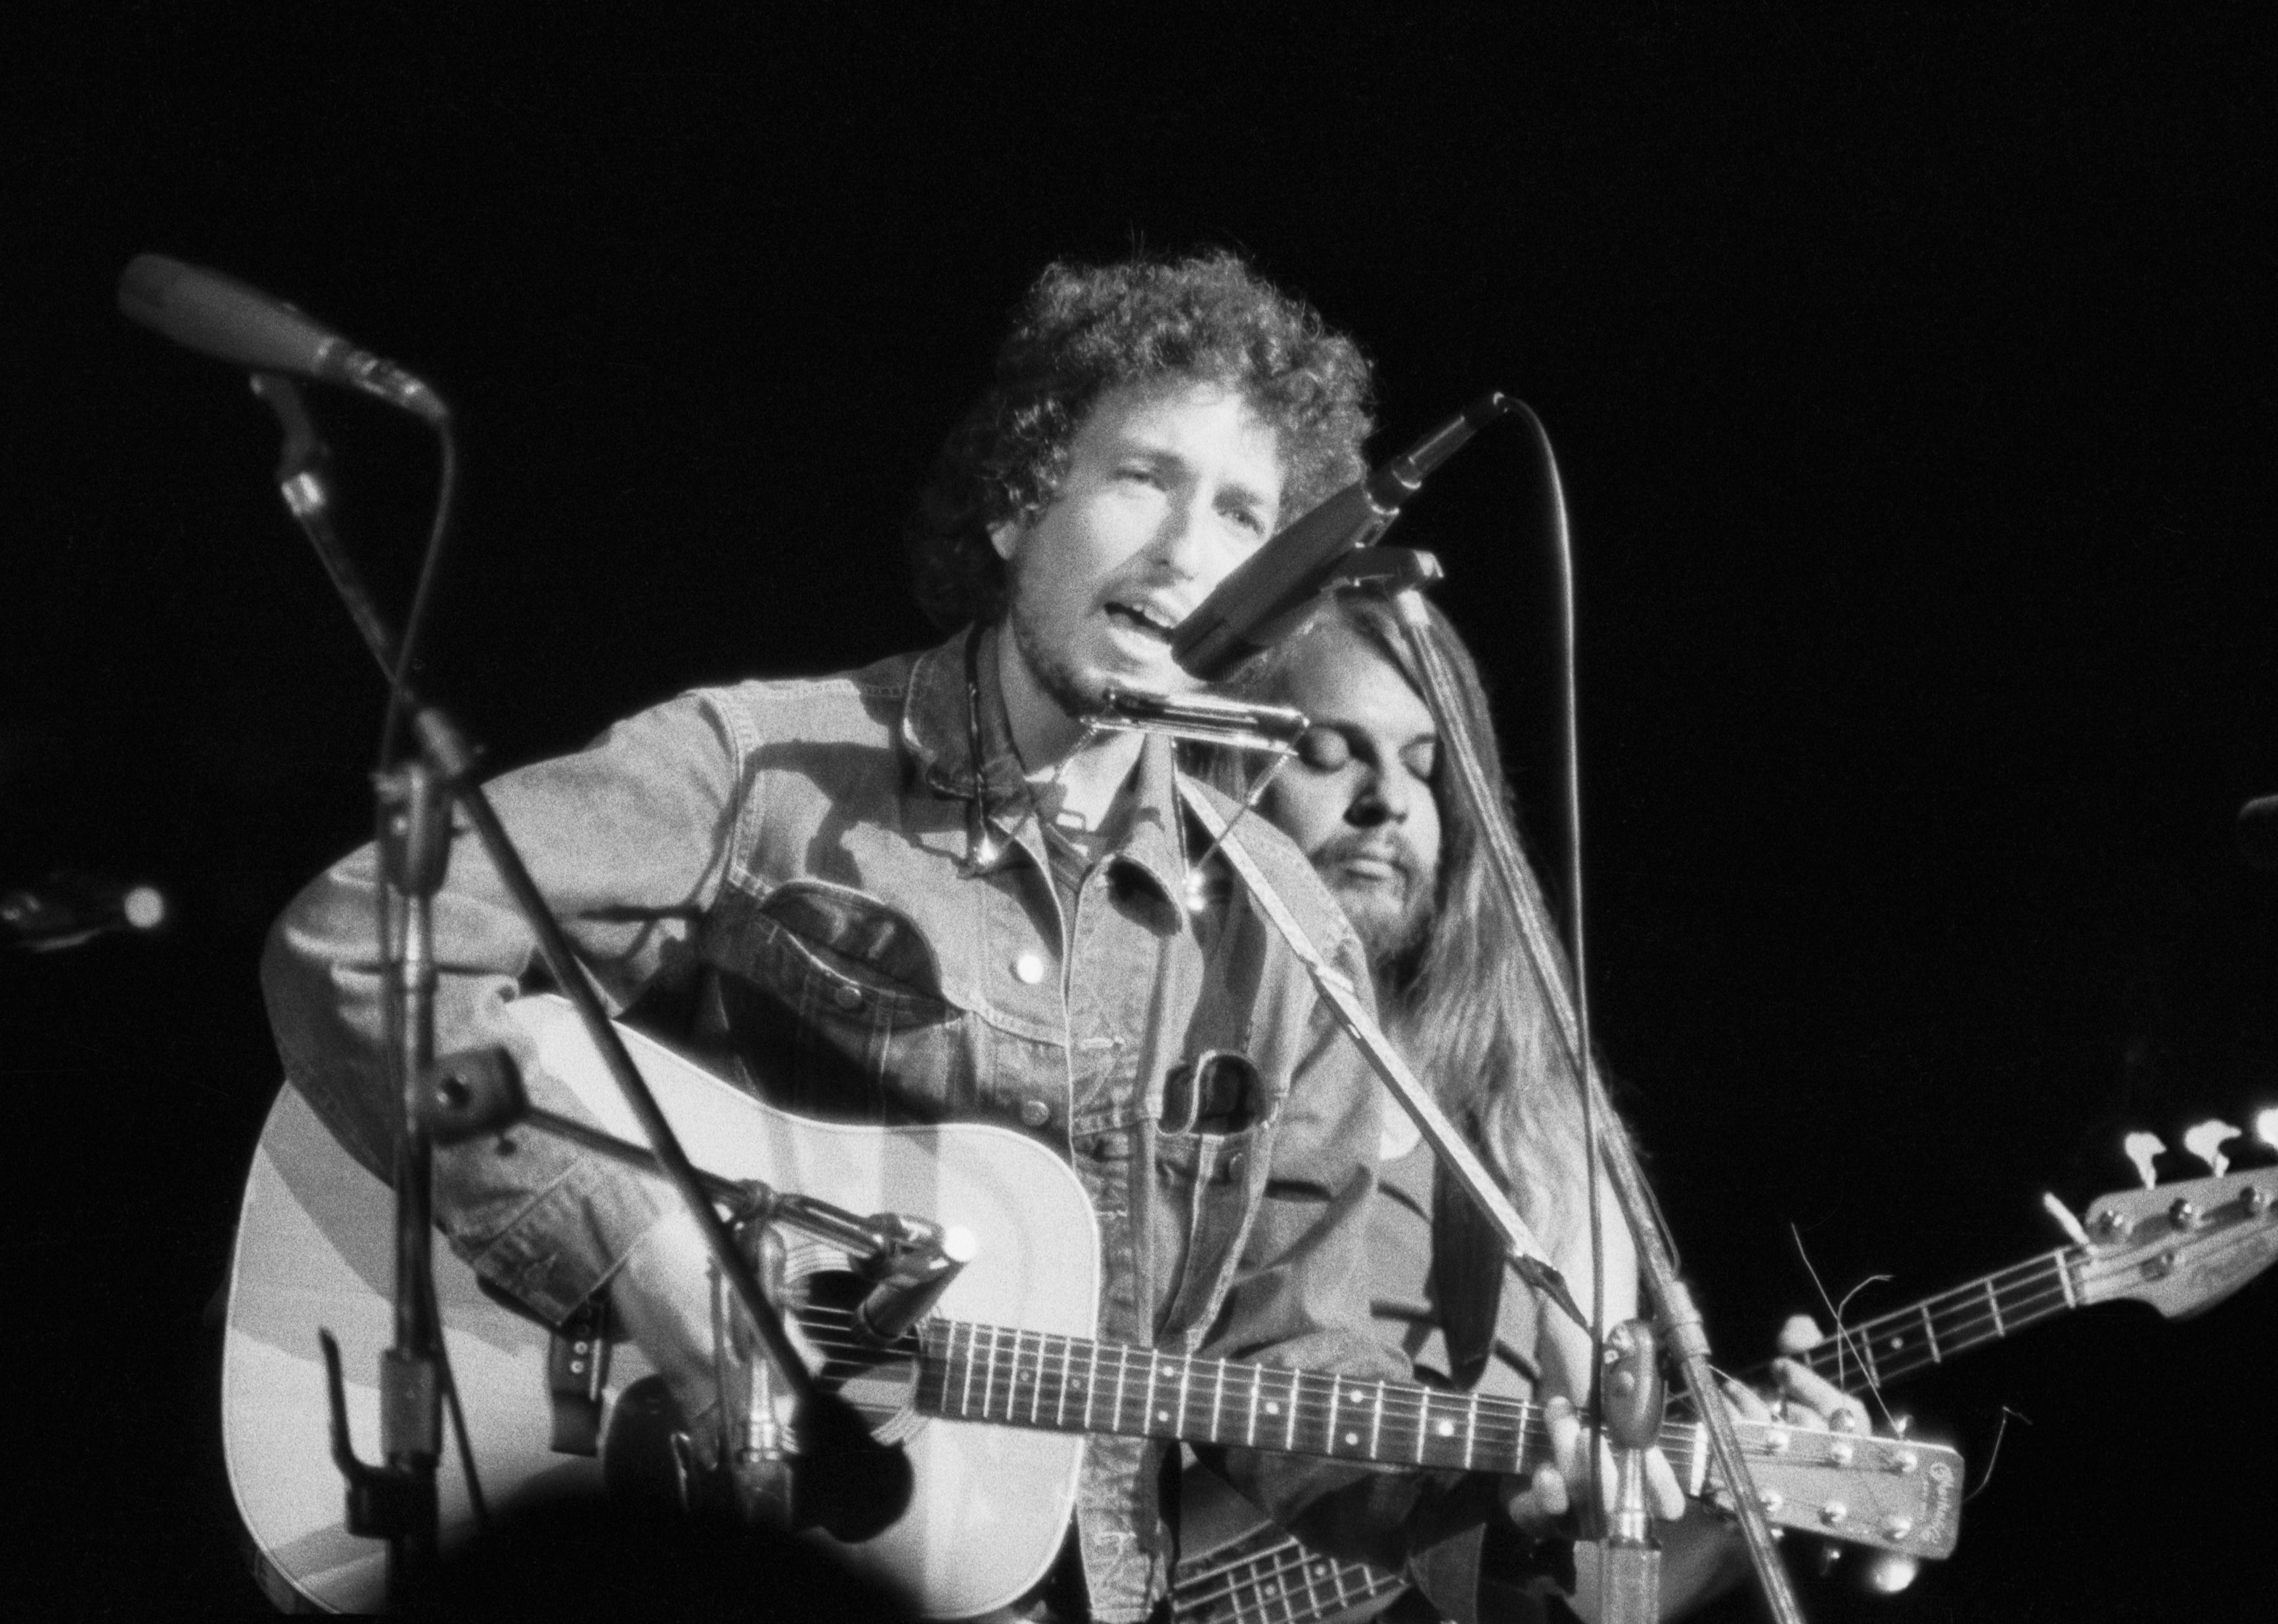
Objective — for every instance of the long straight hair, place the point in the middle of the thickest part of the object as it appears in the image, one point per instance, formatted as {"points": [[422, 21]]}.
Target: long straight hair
{"points": [[1466, 1010]]}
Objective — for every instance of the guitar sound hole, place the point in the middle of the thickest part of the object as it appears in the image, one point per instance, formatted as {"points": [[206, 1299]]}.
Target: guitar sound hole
{"points": [[877, 1382]]}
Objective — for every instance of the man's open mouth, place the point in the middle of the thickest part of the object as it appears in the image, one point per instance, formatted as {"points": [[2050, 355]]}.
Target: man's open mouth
{"points": [[1140, 618]]}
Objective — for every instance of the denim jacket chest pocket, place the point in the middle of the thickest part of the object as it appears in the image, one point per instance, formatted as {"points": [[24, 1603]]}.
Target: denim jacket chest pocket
{"points": [[830, 1002], [1207, 1157]]}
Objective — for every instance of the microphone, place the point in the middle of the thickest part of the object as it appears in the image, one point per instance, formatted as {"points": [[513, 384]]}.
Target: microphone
{"points": [[221, 317], [66, 910], [1262, 601], [909, 1282]]}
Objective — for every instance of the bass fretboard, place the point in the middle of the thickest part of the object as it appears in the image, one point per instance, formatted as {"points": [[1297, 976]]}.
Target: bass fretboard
{"points": [[1932, 1331]]}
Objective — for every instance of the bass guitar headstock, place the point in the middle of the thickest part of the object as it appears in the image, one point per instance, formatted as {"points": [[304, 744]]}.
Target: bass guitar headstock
{"points": [[2182, 1247]]}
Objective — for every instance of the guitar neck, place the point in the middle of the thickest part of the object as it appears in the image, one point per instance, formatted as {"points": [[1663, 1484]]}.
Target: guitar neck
{"points": [[1937, 1328], [1025, 1378]]}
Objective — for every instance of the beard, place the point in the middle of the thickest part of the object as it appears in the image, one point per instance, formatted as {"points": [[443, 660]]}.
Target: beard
{"points": [[1055, 671], [1394, 922]]}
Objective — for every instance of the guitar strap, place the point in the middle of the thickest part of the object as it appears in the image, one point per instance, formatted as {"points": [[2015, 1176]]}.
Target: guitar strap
{"points": [[576, 1367], [1467, 1278]]}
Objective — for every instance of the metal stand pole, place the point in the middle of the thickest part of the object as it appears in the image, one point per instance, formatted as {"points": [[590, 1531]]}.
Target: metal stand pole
{"points": [[1679, 1319], [415, 845], [449, 763]]}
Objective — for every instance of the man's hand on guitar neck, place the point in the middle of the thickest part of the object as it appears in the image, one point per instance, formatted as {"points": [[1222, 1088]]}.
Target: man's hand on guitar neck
{"points": [[1803, 1396], [1800, 1398]]}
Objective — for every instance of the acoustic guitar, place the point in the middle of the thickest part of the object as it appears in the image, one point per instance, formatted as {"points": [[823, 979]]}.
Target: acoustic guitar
{"points": [[992, 1397]]}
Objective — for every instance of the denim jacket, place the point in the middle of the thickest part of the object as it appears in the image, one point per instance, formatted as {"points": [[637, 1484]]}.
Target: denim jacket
{"points": [[788, 868]]}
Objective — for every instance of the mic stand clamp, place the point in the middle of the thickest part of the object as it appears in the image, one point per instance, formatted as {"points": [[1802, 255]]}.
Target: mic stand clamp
{"points": [[1634, 1399], [756, 1441]]}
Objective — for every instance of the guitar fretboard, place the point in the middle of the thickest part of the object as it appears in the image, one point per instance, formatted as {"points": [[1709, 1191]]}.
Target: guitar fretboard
{"points": [[1027, 1378], [1272, 1579], [1932, 1331]]}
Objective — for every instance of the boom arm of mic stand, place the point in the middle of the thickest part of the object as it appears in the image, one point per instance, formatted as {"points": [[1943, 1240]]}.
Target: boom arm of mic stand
{"points": [[1679, 1320], [305, 497]]}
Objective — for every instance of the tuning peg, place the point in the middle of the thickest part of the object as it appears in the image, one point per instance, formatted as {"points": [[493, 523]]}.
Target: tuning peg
{"points": [[2143, 1149], [2065, 1222], [2206, 1141]]}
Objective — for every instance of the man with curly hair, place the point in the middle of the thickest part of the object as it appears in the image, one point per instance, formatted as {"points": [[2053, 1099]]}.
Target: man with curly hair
{"points": [[924, 891]]}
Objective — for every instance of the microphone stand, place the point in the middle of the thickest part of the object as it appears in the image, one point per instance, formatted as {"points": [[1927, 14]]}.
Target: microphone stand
{"points": [[397, 1501], [1679, 1319]]}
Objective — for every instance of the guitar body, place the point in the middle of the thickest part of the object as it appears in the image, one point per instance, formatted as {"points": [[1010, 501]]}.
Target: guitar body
{"points": [[315, 1249]]}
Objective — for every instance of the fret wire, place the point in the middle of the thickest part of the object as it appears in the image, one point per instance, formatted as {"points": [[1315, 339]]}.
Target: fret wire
{"points": [[1286, 1558], [1218, 1398], [1510, 1427], [1969, 1299], [1945, 1300]]}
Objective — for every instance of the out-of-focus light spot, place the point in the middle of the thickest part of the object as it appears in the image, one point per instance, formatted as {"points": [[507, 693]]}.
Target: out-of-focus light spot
{"points": [[1889, 1571]]}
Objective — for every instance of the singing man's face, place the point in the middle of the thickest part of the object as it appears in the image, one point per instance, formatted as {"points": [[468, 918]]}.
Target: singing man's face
{"points": [[1168, 489], [1358, 799]]}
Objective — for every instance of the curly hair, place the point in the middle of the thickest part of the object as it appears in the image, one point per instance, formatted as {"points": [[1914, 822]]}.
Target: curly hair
{"points": [[1082, 330]]}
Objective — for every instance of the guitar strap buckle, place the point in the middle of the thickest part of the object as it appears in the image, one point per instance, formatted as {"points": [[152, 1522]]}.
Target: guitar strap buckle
{"points": [[577, 1370]]}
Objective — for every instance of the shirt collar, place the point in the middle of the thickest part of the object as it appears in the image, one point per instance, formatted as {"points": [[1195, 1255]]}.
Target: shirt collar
{"points": [[937, 718]]}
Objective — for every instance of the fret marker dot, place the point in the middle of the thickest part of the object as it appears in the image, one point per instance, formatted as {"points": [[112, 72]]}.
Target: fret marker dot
{"points": [[1446, 1429], [1352, 1437], [1162, 1414], [1272, 1408]]}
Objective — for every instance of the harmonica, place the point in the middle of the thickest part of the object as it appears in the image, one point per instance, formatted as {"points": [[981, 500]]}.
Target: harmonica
{"points": [[1201, 718]]}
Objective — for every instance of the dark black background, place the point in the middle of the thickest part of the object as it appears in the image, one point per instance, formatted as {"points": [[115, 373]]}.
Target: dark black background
{"points": [[1910, 378]]}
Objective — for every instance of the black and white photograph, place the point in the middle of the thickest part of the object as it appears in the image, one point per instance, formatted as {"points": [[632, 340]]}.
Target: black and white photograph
{"points": [[1270, 815]]}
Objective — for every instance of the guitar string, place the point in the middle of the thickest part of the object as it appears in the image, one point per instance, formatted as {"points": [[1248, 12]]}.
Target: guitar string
{"points": [[1273, 1565], [1967, 1317], [1503, 1430], [1501, 1424], [1498, 1430], [1965, 1301], [1267, 1598], [1903, 1340], [1518, 1433]]}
